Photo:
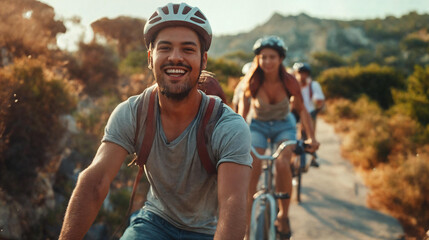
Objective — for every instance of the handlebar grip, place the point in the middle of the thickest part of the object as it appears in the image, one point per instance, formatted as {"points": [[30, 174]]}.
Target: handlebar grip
{"points": [[300, 147]]}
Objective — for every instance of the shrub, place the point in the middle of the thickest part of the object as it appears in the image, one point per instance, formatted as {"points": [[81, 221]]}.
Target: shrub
{"points": [[351, 82], [372, 136], [223, 69], [98, 68], [91, 120], [415, 101], [135, 62], [31, 125], [403, 191], [386, 146]]}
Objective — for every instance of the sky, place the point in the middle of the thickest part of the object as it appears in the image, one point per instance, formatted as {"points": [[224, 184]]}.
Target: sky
{"points": [[228, 16]]}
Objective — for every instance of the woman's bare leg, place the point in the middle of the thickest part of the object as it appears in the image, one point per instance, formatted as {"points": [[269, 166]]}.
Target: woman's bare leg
{"points": [[284, 185]]}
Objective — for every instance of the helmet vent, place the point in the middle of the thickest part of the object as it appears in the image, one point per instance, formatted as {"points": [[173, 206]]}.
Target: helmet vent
{"points": [[199, 14], [154, 15], [155, 20], [165, 10], [197, 20], [176, 8], [186, 10]]}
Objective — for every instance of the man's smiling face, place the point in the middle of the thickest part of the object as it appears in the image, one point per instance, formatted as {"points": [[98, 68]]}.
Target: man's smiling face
{"points": [[176, 61]]}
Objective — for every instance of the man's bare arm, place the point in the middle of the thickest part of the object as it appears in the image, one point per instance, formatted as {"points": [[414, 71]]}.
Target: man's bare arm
{"points": [[91, 190], [233, 184]]}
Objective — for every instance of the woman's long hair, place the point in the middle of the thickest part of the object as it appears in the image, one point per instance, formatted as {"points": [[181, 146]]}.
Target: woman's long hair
{"points": [[255, 77]]}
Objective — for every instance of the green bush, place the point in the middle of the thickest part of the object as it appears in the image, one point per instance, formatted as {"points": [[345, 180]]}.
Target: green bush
{"points": [[97, 68], [135, 62], [31, 125], [91, 121], [223, 69], [415, 101], [351, 82]]}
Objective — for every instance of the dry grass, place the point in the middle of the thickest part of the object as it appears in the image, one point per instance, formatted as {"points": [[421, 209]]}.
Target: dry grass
{"points": [[394, 166], [404, 192]]}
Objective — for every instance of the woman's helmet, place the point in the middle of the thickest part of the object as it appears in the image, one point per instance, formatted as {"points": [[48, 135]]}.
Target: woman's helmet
{"points": [[273, 42], [301, 67], [172, 15]]}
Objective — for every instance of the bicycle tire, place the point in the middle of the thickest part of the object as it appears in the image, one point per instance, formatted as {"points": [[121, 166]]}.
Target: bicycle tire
{"points": [[301, 160], [264, 223], [263, 229], [261, 225], [298, 187]]}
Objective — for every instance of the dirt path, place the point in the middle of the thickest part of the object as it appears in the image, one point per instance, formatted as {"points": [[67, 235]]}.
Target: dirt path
{"points": [[333, 200]]}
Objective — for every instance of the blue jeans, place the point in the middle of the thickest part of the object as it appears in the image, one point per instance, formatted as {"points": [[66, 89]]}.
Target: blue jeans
{"points": [[148, 225]]}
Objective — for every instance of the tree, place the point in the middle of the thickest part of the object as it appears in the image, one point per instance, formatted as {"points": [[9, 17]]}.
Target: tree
{"points": [[97, 68], [125, 32], [28, 27]]}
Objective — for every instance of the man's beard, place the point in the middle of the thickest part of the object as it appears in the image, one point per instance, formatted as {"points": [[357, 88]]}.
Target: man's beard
{"points": [[176, 96], [181, 90]]}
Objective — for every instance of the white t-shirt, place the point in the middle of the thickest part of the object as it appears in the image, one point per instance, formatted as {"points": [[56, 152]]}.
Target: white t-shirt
{"points": [[317, 94]]}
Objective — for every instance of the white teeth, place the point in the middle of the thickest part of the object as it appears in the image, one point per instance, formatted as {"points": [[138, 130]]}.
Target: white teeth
{"points": [[175, 71]]}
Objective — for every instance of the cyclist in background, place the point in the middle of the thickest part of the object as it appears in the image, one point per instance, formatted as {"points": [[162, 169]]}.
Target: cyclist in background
{"points": [[267, 95], [185, 201], [314, 99], [239, 89]]}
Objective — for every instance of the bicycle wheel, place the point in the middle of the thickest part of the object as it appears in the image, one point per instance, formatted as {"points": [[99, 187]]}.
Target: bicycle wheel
{"points": [[263, 217], [300, 169]]}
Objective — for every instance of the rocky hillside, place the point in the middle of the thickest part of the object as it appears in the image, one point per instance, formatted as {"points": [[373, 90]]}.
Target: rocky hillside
{"points": [[305, 35]]}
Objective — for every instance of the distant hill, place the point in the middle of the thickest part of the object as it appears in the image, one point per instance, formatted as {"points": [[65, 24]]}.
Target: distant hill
{"points": [[305, 35]]}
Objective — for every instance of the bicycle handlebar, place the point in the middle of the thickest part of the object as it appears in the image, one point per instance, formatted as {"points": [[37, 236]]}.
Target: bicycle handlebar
{"points": [[300, 148]]}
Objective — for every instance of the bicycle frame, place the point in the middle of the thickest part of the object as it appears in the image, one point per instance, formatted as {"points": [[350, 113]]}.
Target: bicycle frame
{"points": [[301, 166], [267, 193]]}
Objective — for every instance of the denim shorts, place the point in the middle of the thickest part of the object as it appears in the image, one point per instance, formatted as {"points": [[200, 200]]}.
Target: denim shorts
{"points": [[275, 131], [147, 225]]}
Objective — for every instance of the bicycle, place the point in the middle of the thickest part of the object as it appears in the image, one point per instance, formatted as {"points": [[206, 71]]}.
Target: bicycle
{"points": [[300, 166], [264, 206]]}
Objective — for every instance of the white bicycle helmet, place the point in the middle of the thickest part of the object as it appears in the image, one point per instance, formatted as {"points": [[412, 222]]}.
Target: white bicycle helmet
{"points": [[178, 15], [301, 67], [273, 42]]}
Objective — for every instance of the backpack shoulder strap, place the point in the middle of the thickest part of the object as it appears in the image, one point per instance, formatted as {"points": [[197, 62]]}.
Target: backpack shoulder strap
{"points": [[311, 89], [205, 130], [150, 129], [141, 158]]}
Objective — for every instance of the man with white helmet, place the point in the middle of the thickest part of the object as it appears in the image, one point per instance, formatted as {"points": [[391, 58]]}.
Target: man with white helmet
{"points": [[185, 200], [312, 94]]}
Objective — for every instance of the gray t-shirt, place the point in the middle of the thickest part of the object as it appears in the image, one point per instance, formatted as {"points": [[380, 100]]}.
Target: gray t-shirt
{"points": [[181, 190]]}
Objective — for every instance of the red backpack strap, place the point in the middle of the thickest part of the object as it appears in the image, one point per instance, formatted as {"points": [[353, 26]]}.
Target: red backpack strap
{"points": [[149, 133], [145, 148], [202, 141], [311, 90]]}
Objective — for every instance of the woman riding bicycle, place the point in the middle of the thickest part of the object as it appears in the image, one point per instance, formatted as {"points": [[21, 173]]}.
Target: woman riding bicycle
{"points": [[267, 95]]}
